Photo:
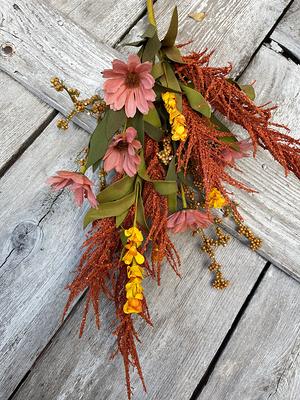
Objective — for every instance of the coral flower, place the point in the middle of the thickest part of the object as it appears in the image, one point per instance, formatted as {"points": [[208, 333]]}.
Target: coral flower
{"points": [[129, 85], [78, 183], [230, 155], [121, 153], [188, 219]]}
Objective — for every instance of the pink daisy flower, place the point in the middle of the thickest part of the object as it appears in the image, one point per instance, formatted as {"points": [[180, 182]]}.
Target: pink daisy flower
{"points": [[121, 153], [230, 155], [188, 219], [129, 85], [78, 183]]}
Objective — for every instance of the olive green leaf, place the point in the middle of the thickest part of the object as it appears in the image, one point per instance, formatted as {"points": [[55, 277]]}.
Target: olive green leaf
{"points": [[110, 123], [171, 175], [169, 39], [157, 70], [197, 101], [153, 117], [140, 205], [149, 32], [219, 125], [117, 190], [109, 209], [154, 132], [151, 48], [248, 90], [170, 81], [120, 218], [173, 54], [137, 122]]}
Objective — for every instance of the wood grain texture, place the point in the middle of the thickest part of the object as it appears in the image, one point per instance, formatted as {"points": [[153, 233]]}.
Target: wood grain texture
{"points": [[274, 213], [190, 322], [40, 237], [37, 316], [287, 33], [262, 359], [22, 114], [52, 45]]}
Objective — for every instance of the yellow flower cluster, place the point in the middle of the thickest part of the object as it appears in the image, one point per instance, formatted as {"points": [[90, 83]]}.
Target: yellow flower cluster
{"points": [[177, 120], [215, 199], [133, 259]]}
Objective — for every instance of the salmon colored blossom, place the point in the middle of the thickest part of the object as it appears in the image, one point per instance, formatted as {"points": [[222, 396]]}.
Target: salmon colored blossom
{"points": [[230, 154], [129, 85], [121, 153], [78, 183], [182, 220]]}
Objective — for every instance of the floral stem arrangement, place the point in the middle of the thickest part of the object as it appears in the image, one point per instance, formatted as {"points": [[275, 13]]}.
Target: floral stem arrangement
{"points": [[163, 154]]}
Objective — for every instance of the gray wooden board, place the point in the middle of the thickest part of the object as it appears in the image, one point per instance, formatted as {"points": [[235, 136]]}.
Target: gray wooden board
{"points": [[287, 33], [23, 113], [262, 359], [274, 212], [41, 306], [190, 321], [63, 49], [41, 233]]}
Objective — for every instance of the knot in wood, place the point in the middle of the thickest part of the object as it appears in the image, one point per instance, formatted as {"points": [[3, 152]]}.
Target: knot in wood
{"points": [[25, 236]]}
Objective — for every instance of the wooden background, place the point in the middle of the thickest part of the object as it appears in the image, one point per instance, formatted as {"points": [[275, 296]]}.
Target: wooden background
{"points": [[239, 344]]}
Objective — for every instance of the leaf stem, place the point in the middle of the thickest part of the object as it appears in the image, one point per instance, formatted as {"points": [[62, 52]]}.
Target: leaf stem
{"points": [[150, 12], [184, 203]]}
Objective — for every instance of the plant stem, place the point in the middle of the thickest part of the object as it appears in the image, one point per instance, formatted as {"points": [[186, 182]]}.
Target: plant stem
{"points": [[184, 204], [150, 12]]}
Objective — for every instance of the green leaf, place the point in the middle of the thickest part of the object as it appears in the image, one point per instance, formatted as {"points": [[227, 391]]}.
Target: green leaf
{"points": [[171, 175], [154, 132], [142, 171], [170, 81], [197, 101], [140, 205], [150, 31], [169, 39], [137, 122], [109, 209], [165, 187], [173, 54], [219, 125], [248, 90], [120, 218], [153, 118], [157, 70], [110, 123], [151, 48], [138, 43], [228, 139], [117, 190]]}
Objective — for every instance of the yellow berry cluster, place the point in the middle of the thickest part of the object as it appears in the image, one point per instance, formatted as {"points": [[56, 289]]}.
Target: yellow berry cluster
{"points": [[94, 104], [133, 259], [177, 120], [255, 242], [165, 155]]}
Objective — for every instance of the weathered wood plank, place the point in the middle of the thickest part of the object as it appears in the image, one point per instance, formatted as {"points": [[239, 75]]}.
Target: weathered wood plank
{"points": [[262, 359], [40, 240], [22, 113], [274, 212], [190, 321], [287, 33], [41, 306], [64, 49], [106, 20]]}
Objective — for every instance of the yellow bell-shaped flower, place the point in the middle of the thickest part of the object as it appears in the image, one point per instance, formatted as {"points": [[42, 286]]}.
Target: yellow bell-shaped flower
{"points": [[133, 306]]}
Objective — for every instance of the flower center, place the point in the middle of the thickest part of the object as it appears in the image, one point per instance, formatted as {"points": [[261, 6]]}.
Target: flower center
{"points": [[122, 145], [132, 80]]}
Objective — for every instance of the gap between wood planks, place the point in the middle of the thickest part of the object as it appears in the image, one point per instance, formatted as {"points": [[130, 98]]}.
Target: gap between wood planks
{"points": [[205, 378], [285, 53]]}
